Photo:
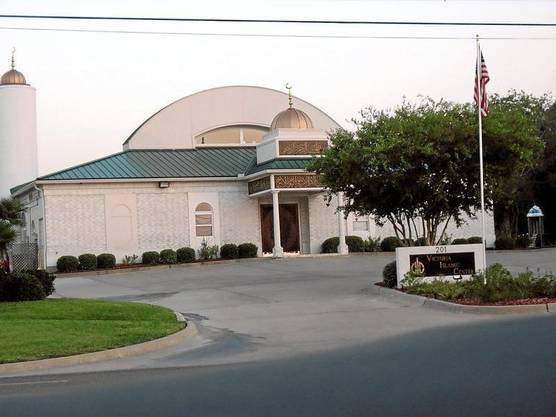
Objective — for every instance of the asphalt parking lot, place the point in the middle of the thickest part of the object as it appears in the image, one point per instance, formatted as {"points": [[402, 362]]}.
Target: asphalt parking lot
{"points": [[269, 308]]}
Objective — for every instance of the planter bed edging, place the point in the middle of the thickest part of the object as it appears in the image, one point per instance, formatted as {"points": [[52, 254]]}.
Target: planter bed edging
{"points": [[419, 300]]}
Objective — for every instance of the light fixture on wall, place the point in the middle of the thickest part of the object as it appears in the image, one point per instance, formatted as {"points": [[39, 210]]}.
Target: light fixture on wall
{"points": [[163, 184]]}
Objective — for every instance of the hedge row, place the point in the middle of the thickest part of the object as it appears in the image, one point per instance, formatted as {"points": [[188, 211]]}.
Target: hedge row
{"points": [[89, 261], [388, 244], [185, 255], [508, 242], [85, 262]]}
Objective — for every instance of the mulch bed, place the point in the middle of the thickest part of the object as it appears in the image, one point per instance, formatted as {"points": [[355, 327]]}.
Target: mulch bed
{"points": [[520, 302]]}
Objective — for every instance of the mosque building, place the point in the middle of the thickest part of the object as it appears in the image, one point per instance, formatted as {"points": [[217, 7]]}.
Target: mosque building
{"points": [[224, 165]]}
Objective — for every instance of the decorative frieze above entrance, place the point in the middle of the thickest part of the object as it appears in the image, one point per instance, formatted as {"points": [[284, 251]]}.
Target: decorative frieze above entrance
{"points": [[297, 181], [259, 185], [302, 147]]}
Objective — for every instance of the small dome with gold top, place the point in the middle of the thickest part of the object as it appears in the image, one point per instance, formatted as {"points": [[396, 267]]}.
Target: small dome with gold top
{"points": [[291, 118], [13, 76]]}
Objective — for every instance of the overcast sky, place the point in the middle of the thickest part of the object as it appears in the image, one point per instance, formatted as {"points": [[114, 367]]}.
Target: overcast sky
{"points": [[94, 89]]}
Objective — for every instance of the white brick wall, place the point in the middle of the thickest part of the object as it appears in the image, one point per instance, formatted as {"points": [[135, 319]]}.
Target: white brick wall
{"points": [[323, 220], [162, 221], [77, 216], [239, 218], [74, 225]]}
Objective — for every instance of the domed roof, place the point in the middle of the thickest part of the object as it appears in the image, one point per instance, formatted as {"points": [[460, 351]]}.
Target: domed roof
{"points": [[535, 211], [292, 118], [13, 77]]}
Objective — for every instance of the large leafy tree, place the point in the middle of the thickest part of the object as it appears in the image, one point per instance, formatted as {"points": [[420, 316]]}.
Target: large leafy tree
{"points": [[513, 150], [415, 167], [543, 181], [10, 216]]}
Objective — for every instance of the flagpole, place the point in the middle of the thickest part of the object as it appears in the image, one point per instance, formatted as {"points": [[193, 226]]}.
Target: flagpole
{"points": [[479, 99]]}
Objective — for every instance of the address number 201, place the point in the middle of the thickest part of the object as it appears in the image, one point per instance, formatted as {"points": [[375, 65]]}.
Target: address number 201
{"points": [[440, 249]]}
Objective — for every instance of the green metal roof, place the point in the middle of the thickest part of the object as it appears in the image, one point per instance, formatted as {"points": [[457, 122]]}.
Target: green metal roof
{"points": [[175, 163], [172, 163], [297, 163]]}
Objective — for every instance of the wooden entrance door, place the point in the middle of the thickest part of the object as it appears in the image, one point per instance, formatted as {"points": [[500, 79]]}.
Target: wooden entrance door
{"points": [[289, 227]]}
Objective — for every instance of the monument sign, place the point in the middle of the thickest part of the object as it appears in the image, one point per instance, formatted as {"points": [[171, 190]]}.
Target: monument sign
{"points": [[440, 262]]}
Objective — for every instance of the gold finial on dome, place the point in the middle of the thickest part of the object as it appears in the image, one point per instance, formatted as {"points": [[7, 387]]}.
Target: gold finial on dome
{"points": [[289, 88], [13, 76], [291, 118]]}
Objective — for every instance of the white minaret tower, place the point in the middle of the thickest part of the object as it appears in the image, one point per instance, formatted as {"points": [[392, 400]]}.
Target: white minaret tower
{"points": [[18, 131]]}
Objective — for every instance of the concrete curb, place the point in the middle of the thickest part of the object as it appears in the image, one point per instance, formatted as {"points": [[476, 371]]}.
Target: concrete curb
{"points": [[104, 355], [417, 300]]}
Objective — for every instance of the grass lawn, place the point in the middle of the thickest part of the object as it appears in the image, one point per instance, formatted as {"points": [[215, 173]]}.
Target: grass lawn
{"points": [[60, 327]]}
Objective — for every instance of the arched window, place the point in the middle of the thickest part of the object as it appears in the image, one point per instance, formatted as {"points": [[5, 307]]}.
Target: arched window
{"points": [[235, 134], [203, 220]]}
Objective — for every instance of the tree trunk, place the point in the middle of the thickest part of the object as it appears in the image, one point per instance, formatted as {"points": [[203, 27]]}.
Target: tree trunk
{"points": [[502, 221]]}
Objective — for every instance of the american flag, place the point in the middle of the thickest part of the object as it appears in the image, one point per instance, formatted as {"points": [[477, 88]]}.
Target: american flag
{"points": [[483, 103]]}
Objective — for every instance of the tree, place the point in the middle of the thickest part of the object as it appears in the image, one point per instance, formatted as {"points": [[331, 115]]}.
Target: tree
{"points": [[543, 181], [413, 167], [417, 166], [10, 216], [513, 149]]}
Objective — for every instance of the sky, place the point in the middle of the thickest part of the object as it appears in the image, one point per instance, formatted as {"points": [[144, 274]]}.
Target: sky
{"points": [[94, 89]]}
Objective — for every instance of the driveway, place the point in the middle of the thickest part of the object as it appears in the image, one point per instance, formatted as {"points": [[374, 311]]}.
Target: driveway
{"points": [[267, 308]]}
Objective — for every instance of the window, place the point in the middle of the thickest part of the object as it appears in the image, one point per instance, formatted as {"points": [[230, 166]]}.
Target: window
{"points": [[360, 226], [236, 134], [203, 220]]}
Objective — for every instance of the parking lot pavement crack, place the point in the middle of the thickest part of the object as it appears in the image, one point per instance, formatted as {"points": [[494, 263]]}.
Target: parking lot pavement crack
{"points": [[255, 297]]}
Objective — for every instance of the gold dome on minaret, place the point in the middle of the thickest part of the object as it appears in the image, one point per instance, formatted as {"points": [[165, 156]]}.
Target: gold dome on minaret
{"points": [[13, 76], [291, 118]]}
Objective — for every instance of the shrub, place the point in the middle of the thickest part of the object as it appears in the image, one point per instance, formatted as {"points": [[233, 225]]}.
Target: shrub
{"points": [[87, 261], [460, 241], [106, 261], [229, 251], [130, 259], [372, 245], [475, 239], [354, 244], [247, 250], [150, 258], [504, 242], [19, 286], [523, 241], [501, 285], [389, 275], [390, 244], [185, 255], [67, 264], [207, 251], [421, 242], [45, 278], [330, 245], [408, 242], [168, 256]]}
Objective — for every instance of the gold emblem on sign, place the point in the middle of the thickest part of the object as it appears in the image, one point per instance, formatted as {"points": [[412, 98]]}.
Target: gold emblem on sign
{"points": [[418, 267]]}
